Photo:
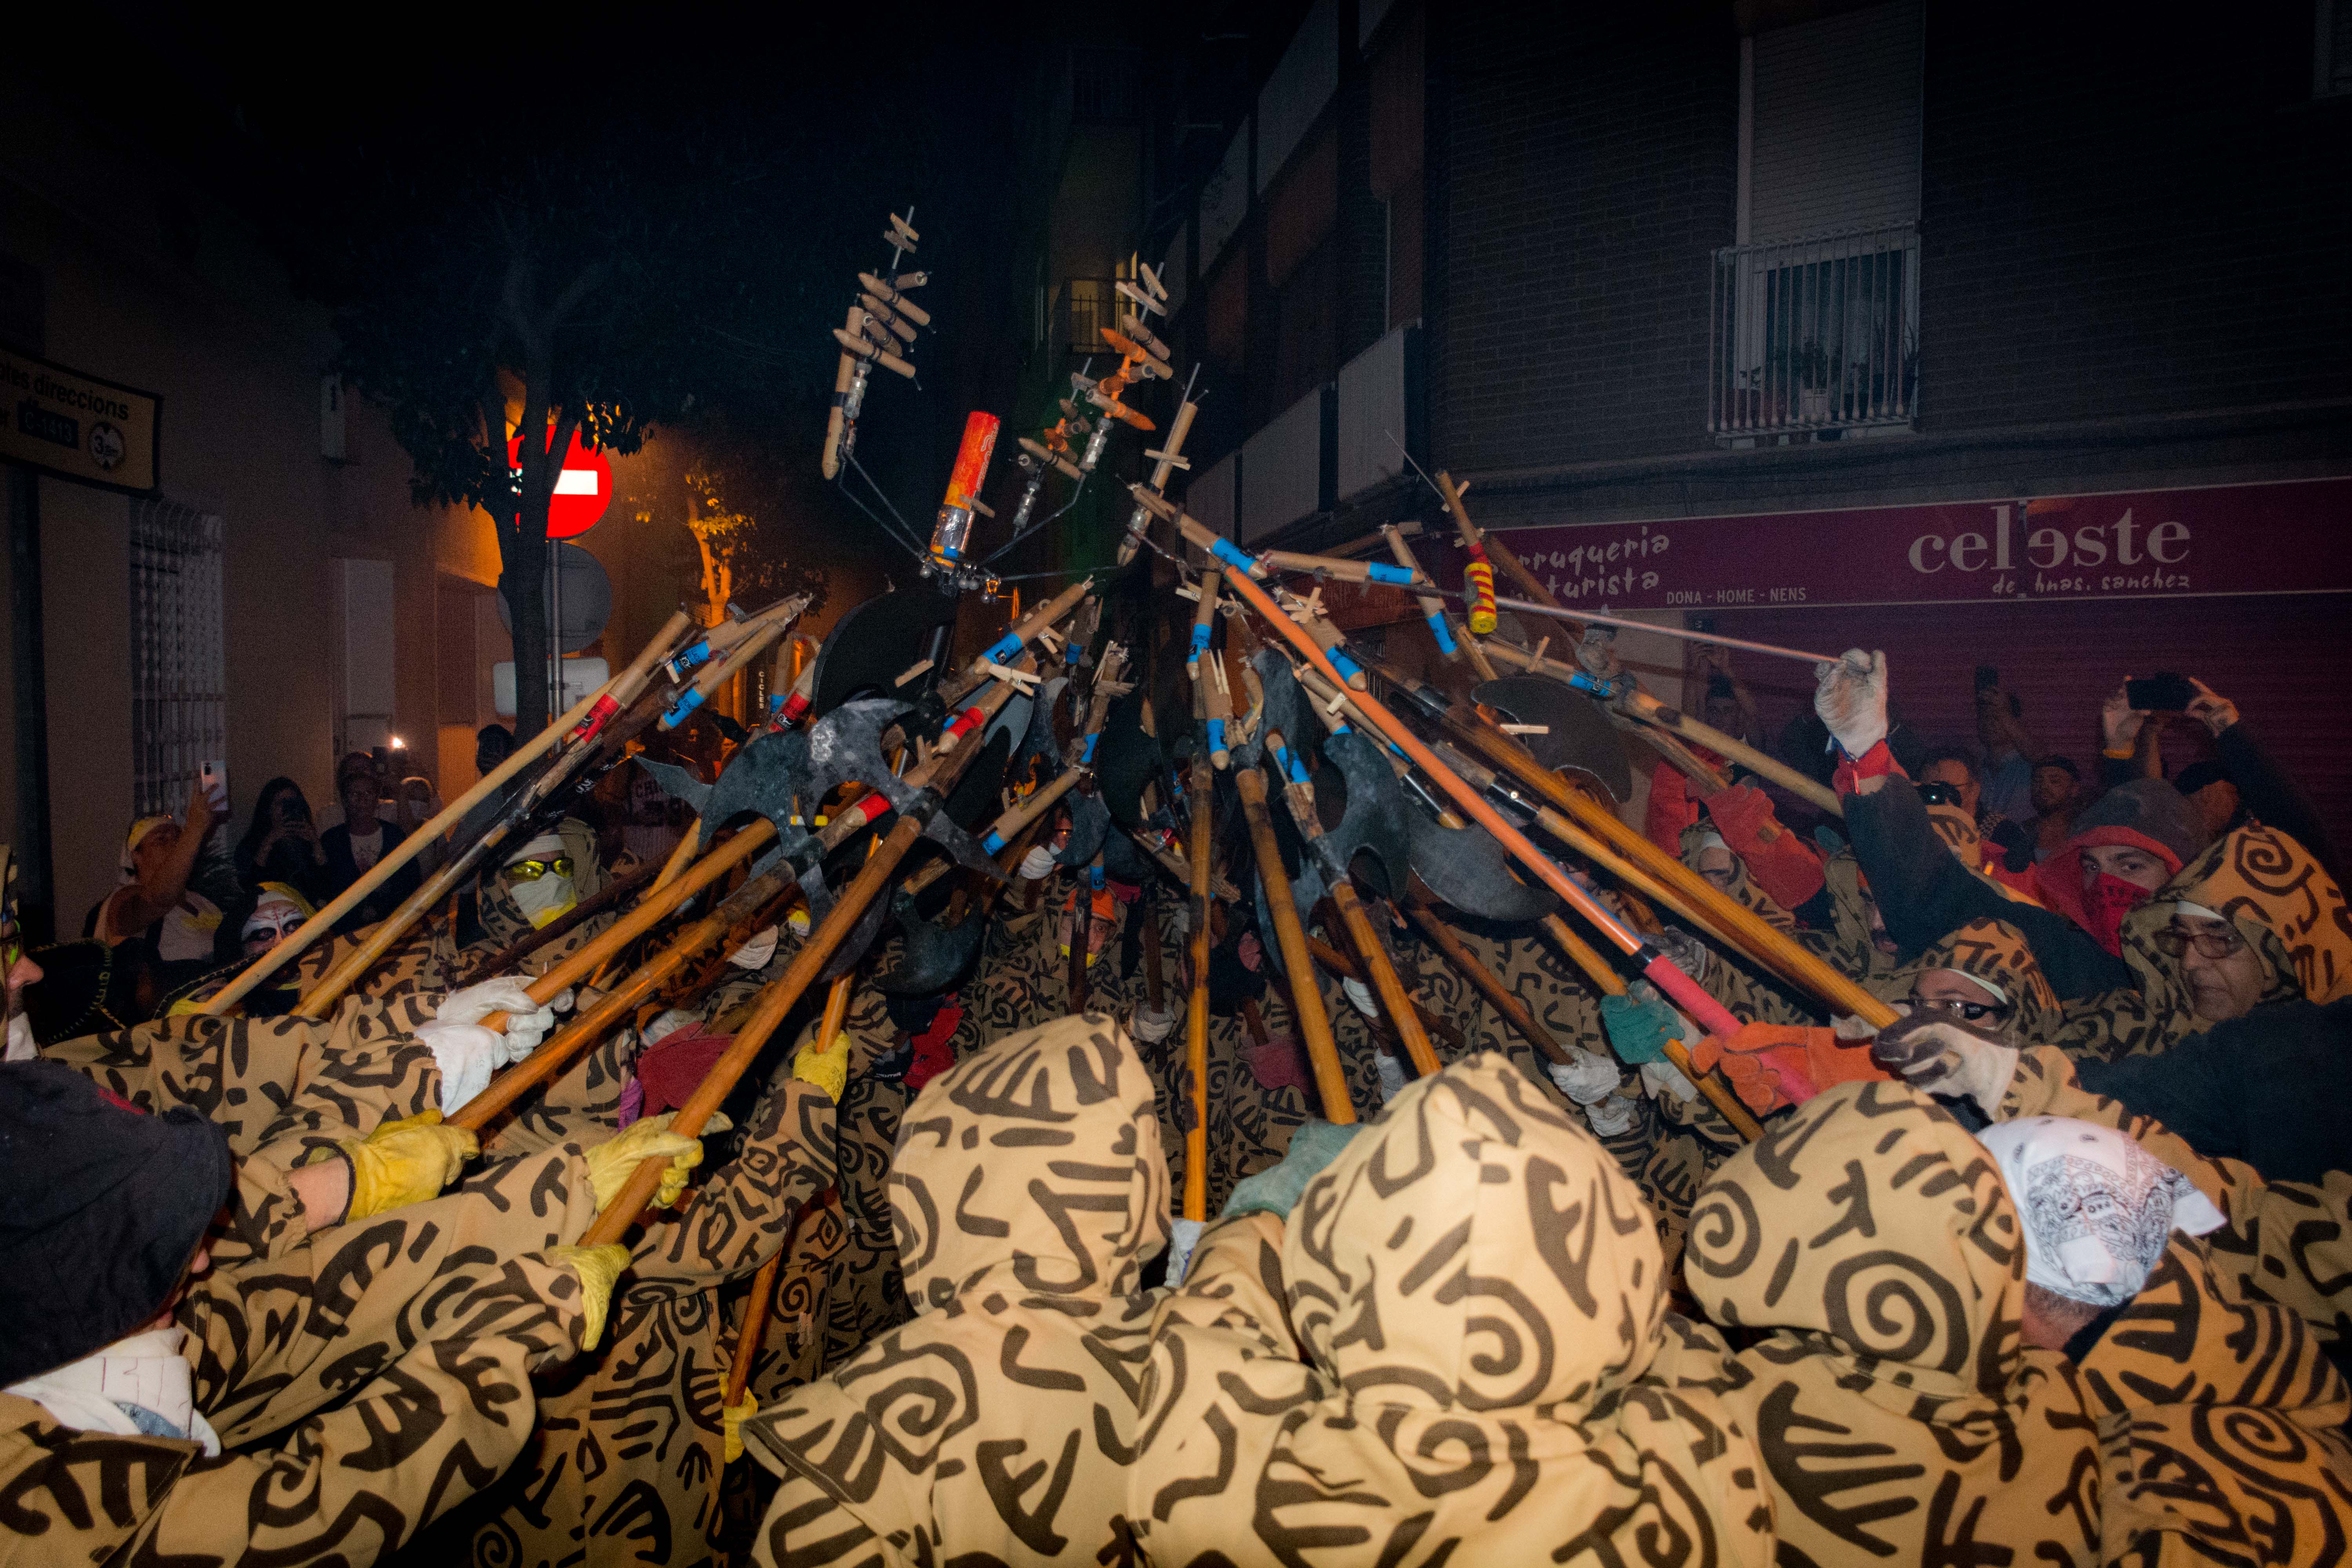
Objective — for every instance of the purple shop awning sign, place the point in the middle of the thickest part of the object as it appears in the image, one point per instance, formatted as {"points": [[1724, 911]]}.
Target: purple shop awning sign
{"points": [[2287, 538]]}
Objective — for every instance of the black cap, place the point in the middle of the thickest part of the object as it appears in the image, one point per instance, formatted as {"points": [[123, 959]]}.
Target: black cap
{"points": [[2155, 808], [106, 1208]]}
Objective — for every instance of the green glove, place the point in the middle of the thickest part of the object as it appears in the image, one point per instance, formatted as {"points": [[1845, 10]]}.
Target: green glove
{"points": [[1640, 1023], [613, 1162], [598, 1270], [1274, 1190], [405, 1161]]}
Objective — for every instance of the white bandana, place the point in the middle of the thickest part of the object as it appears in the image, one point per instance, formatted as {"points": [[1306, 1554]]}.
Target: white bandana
{"points": [[1037, 864], [2098, 1208]]}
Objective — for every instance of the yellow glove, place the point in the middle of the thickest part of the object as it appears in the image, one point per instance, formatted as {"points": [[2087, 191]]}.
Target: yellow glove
{"points": [[610, 1162], [827, 1069], [598, 1270], [731, 1418], [404, 1162]]}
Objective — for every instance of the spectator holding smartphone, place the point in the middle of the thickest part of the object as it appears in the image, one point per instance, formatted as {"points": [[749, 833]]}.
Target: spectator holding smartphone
{"points": [[2264, 793]]}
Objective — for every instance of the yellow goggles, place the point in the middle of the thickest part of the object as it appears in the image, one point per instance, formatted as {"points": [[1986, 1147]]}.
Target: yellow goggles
{"points": [[532, 871]]}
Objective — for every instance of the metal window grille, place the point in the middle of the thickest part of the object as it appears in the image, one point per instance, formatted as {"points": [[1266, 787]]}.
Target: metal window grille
{"points": [[178, 708], [1814, 335], [1092, 304]]}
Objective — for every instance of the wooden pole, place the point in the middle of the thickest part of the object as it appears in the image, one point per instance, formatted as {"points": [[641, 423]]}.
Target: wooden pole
{"points": [[1196, 1014], [1606, 979], [609, 895], [785, 993], [1314, 1021], [1515, 1011]]}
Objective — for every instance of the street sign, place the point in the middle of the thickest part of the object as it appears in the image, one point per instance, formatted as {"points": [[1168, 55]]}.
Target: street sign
{"points": [[583, 487], [577, 593]]}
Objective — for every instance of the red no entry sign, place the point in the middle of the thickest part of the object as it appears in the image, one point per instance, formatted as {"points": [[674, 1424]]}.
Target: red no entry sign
{"points": [[583, 490]]}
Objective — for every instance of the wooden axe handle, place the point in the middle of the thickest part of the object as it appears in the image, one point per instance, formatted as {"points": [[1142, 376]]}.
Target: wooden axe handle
{"points": [[1607, 981], [1515, 1011], [1314, 1021], [1347, 968], [1196, 1013]]}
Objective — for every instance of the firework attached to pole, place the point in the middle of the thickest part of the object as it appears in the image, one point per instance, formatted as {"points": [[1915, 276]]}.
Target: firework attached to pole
{"points": [[952, 531]]}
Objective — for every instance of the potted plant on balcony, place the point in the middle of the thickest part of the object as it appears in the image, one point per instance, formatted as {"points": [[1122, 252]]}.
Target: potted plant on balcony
{"points": [[1813, 373]]}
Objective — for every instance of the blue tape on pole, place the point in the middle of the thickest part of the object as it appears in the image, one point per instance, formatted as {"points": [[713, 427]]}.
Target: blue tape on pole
{"points": [[1225, 550], [1095, 875], [679, 710], [1438, 629], [1347, 668], [1200, 640], [1004, 648], [1087, 754], [1216, 734], [692, 656], [1399, 576], [993, 842]]}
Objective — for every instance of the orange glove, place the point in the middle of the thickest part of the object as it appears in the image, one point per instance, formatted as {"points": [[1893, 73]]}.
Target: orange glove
{"points": [[1774, 1065]]}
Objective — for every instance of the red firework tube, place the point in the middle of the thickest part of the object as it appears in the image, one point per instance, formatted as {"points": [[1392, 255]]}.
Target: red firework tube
{"points": [[968, 720], [953, 528]]}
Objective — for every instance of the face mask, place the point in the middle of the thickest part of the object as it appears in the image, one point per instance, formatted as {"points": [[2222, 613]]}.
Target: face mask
{"points": [[2105, 902], [22, 1046], [543, 899]]}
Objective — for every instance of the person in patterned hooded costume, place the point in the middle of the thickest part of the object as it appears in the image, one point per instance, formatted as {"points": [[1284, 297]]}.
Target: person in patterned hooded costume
{"points": [[1488, 1373], [1900, 1414], [2218, 1419], [1029, 1191], [2291, 925], [106, 1453]]}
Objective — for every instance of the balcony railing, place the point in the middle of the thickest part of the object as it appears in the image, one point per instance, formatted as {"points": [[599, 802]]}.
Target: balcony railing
{"points": [[1816, 335], [1088, 305]]}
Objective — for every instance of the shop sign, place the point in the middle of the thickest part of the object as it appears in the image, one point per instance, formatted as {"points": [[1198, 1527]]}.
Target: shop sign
{"points": [[2287, 538], [75, 425]]}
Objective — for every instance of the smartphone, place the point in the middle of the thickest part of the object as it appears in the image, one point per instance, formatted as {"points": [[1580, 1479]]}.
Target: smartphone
{"points": [[1935, 794], [215, 777], [1988, 677], [2163, 692]]}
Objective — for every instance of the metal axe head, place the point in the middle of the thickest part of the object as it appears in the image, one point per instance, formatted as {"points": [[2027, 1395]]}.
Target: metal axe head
{"points": [[1126, 759], [1573, 733], [845, 747], [1281, 708], [1089, 827], [1045, 736], [1307, 890], [1375, 819], [872, 644], [1465, 867], [677, 783], [930, 957]]}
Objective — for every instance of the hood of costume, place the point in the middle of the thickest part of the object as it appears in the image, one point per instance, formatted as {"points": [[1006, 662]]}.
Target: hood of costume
{"points": [[1028, 1192], [1994, 951], [2284, 903], [2140, 814], [1896, 1398], [1483, 1370], [2219, 1424]]}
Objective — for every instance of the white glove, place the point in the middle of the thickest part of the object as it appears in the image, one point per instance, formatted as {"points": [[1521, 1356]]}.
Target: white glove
{"points": [[467, 1055], [1611, 1115], [506, 994], [756, 952], [1689, 953], [528, 1022], [1360, 994], [1662, 1077], [1392, 1071], [1037, 864], [1936, 1055], [1587, 1078], [1850, 695], [1183, 1235]]}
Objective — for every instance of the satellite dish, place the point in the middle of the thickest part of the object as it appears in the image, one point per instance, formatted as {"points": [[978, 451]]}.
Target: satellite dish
{"points": [[586, 597]]}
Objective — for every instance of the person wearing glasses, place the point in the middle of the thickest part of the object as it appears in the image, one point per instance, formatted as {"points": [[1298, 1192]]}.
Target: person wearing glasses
{"points": [[535, 884]]}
